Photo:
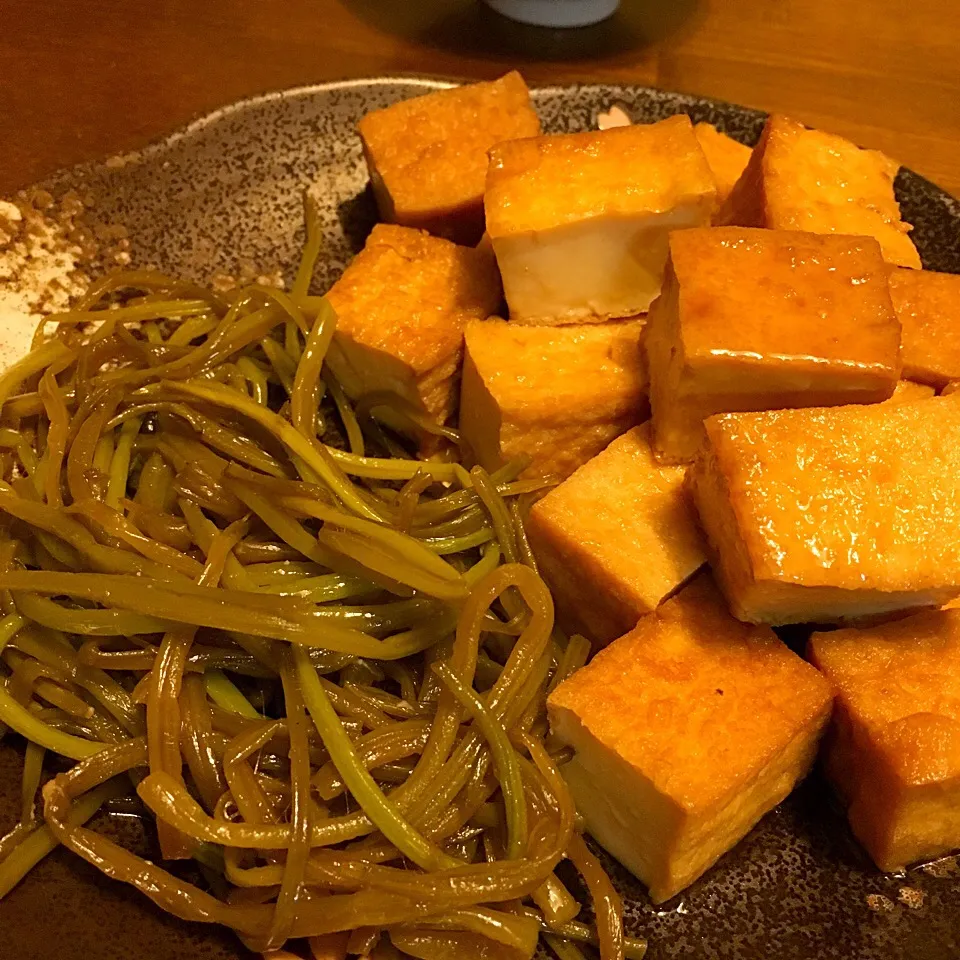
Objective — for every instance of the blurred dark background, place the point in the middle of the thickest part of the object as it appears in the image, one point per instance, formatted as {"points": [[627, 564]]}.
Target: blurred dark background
{"points": [[83, 78]]}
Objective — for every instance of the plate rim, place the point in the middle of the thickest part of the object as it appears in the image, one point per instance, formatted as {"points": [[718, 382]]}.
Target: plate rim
{"points": [[429, 82]]}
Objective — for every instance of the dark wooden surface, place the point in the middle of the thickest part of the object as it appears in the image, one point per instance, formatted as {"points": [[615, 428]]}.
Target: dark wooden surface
{"points": [[80, 79]]}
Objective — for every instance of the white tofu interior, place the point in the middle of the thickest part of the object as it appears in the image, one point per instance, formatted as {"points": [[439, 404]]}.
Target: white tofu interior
{"points": [[595, 269]]}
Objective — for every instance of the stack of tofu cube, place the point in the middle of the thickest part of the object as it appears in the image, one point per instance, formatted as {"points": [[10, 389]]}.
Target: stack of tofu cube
{"points": [[719, 355]]}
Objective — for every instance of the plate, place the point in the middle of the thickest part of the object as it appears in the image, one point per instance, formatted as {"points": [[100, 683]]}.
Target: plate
{"points": [[230, 186]]}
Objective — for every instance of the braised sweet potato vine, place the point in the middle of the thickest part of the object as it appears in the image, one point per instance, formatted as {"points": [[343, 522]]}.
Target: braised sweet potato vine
{"points": [[321, 664]]}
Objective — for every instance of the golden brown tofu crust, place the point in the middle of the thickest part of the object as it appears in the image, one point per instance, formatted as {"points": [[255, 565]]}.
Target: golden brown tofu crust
{"points": [[860, 503], [792, 297], [557, 395], [727, 157], [907, 392], [615, 539], [402, 305], [894, 747], [754, 319], [545, 182], [801, 179], [928, 306], [428, 155], [695, 700], [411, 295]]}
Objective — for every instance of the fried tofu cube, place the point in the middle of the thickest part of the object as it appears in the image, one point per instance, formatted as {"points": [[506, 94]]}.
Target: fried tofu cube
{"points": [[800, 179], [928, 307], [615, 539], [556, 395], [907, 391], [427, 156], [687, 731], [579, 221], [727, 157], [761, 319], [833, 514], [402, 305], [893, 750]]}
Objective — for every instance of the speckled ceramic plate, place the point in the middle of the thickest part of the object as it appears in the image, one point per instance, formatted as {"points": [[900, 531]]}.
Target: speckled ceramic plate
{"points": [[224, 196]]}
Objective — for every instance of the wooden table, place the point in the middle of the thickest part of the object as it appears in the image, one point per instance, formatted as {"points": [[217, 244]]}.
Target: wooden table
{"points": [[80, 79]]}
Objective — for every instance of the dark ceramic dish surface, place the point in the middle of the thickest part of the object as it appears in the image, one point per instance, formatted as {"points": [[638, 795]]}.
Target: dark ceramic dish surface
{"points": [[227, 192]]}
